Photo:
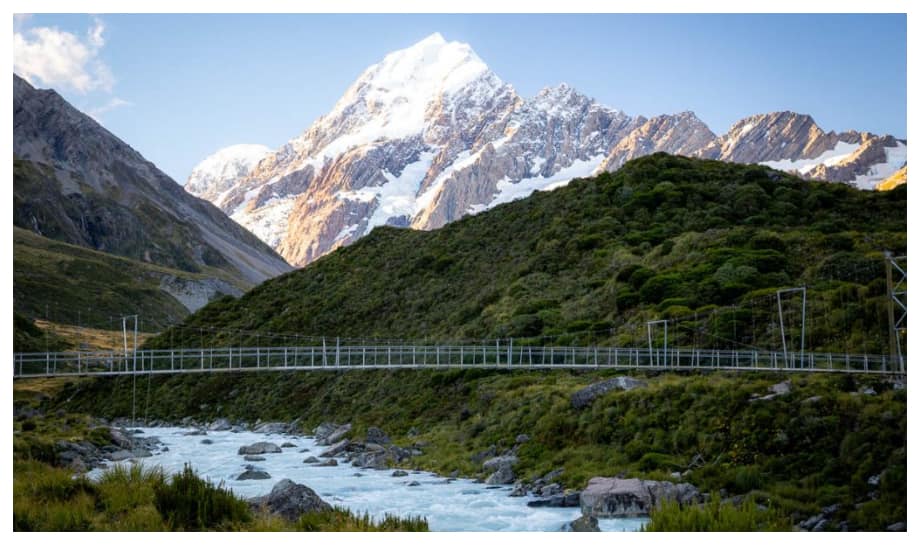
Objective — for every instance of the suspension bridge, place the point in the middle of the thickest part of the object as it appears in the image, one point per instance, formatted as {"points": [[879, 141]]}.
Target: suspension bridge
{"points": [[500, 355], [355, 354]]}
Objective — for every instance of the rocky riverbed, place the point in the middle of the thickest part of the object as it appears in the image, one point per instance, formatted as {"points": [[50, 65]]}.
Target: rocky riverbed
{"points": [[274, 467]]}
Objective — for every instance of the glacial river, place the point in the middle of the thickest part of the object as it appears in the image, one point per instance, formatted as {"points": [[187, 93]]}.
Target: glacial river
{"points": [[461, 505]]}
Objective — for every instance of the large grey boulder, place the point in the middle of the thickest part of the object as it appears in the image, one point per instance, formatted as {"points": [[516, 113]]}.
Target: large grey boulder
{"points": [[290, 500], [262, 447], [501, 470], [221, 424], [79, 457], [606, 497], [335, 449], [328, 433], [273, 427], [338, 434], [121, 438], [584, 397], [321, 432], [557, 500], [584, 523], [120, 455]]}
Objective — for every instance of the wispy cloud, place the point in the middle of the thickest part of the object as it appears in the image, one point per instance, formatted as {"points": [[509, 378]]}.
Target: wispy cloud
{"points": [[56, 58], [115, 102]]}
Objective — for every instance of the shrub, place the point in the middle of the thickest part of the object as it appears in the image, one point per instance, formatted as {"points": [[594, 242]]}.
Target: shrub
{"points": [[340, 519], [715, 516], [190, 503]]}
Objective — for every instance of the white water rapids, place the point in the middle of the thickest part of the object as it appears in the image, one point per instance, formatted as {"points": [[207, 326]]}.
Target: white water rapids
{"points": [[460, 505]]}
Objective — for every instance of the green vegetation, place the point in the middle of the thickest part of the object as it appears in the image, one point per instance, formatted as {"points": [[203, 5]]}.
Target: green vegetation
{"points": [[51, 498], [74, 285], [703, 242], [28, 337], [716, 516], [817, 446]]}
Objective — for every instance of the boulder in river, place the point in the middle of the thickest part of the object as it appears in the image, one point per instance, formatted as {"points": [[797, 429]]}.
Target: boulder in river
{"points": [[335, 449], [501, 469], [221, 424], [272, 427], [399, 473], [262, 447], [613, 497], [559, 500], [120, 455], [253, 474], [584, 397], [328, 433], [338, 435], [311, 460], [290, 500], [288, 444], [254, 458], [331, 462], [321, 432], [584, 523]]}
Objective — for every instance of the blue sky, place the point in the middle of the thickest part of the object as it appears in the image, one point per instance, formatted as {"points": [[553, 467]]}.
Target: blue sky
{"points": [[179, 87]]}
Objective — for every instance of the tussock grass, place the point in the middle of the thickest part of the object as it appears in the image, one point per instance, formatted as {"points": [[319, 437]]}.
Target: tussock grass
{"points": [[716, 516]]}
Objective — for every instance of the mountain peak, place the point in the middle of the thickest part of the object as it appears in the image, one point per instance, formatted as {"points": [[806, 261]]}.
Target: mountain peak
{"points": [[432, 39], [217, 173], [433, 60]]}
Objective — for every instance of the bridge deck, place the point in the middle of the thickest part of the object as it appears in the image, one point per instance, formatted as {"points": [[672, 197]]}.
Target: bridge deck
{"points": [[497, 356]]}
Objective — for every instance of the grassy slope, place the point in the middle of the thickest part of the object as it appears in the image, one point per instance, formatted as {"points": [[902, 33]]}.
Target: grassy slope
{"points": [[794, 453], [89, 338], [62, 280], [30, 337], [591, 262]]}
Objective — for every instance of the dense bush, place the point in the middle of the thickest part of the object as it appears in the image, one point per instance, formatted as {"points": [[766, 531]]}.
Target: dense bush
{"points": [[189, 503], [607, 250], [716, 516]]}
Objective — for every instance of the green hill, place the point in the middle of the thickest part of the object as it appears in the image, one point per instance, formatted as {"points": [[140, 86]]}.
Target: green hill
{"points": [[703, 243], [75, 285]]}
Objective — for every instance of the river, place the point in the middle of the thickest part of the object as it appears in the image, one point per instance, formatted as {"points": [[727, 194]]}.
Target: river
{"points": [[460, 505]]}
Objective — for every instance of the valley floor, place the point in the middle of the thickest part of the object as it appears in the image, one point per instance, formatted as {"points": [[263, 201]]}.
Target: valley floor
{"points": [[826, 451]]}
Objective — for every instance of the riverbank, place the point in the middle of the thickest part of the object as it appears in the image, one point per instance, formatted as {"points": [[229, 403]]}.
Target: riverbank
{"points": [[831, 447]]}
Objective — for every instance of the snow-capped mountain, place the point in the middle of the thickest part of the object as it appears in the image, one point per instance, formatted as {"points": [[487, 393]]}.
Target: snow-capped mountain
{"points": [[430, 134], [794, 142], [211, 178]]}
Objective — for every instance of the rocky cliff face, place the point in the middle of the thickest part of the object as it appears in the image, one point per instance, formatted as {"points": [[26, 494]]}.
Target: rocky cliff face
{"points": [[76, 182], [681, 134], [430, 134]]}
